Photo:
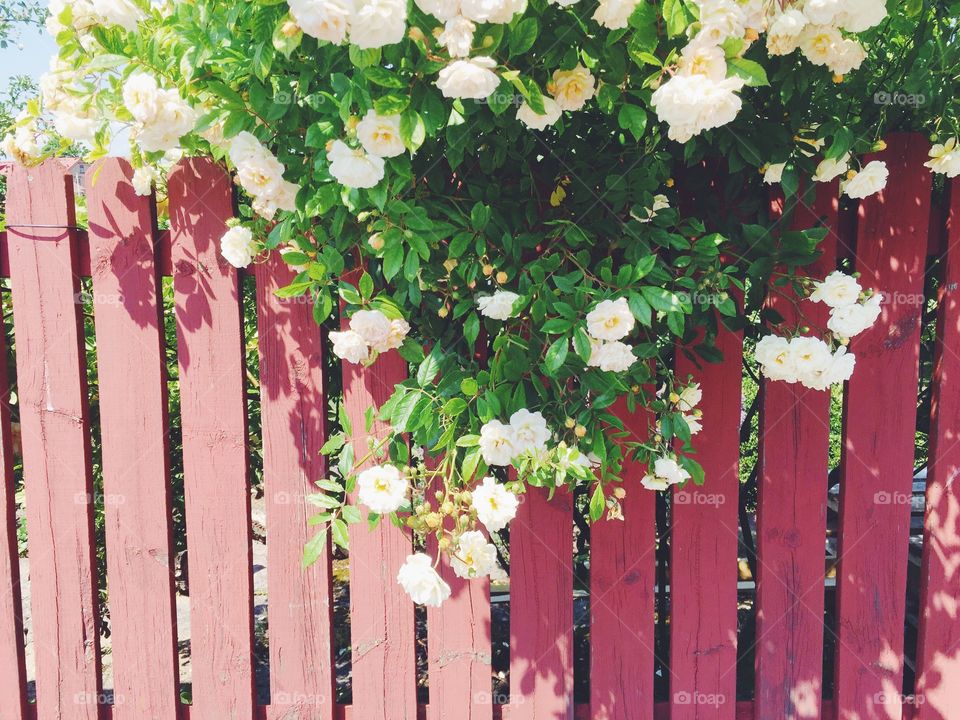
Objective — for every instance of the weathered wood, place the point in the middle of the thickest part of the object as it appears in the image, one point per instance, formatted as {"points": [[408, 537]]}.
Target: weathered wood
{"points": [[133, 420], [293, 418], [879, 422], [791, 513], [703, 635], [381, 613], [541, 608], [217, 496], [52, 389], [623, 558], [938, 649]]}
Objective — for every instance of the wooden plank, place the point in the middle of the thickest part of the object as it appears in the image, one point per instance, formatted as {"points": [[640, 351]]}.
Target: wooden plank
{"points": [[938, 650], [459, 651], [622, 600], [13, 676], [541, 608], [381, 613], [133, 419], [52, 389], [791, 512], [217, 497], [879, 422], [703, 635], [293, 415]]}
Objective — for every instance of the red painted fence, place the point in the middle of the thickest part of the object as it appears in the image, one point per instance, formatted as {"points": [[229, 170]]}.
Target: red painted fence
{"points": [[45, 256]]}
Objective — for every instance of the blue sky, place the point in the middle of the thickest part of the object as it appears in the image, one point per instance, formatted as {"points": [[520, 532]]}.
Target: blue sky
{"points": [[31, 59]]}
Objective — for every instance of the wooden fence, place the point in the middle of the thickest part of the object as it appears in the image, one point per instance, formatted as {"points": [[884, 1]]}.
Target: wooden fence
{"points": [[45, 256]]}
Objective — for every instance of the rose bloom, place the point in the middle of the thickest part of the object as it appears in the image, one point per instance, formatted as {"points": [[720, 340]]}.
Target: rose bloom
{"points": [[572, 88], [491, 11], [784, 34], [475, 556], [851, 320], [323, 19], [614, 14], [706, 60], [530, 430], [534, 120], [421, 582], [773, 355], [831, 168], [372, 325], [945, 158], [380, 134], [237, 246], [869, 181], [472, 79], [383, 489], [354, 168], [611, 356], [690, 104], [457, 36], [810, 356], [143, 179], [497, 443], [610, 320], [375, 23], [141, 96], [498, 306], [837, 290], [666, 472], [119, 12], [349, 346], [690, 397], [440, 9], [495, 505], [774, 173]]}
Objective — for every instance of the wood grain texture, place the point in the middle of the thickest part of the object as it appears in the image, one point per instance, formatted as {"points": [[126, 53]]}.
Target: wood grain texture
{"points": [[293, 418], [541, 608], [52, 389], [133, 419], [381, 613], [791, 513], [703, 635], [622, 599], [216, 489], [878, 450], [938, 651]]}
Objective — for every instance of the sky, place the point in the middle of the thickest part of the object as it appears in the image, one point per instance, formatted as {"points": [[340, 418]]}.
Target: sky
{"points": [[31, 58]]}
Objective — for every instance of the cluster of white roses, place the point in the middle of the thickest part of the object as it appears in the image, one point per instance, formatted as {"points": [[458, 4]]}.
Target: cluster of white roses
{"points": [[666, 473], [261, 175], [811, 361], [238, 247], [868, 180], [364, 167], [945, 158], [526, 432], [162, 116], [607, 324], [23, 144], [73, 118], [700, 95], [371, 333], [84, 14], [498, 306], [369, 23]]}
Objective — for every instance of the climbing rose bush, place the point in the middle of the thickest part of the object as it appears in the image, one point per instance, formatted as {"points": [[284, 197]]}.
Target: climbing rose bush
{"points": [[538, 204]]}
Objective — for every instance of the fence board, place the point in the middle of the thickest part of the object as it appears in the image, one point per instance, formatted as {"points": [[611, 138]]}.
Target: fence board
{"points": [[622, 601], [791, 512], [293, 418], [879, 419], [381, 613], [703, 637], [541, 608], [56, 443], [217, 497], [13, 676], [459, 648], [133, 412], [938, 651]]}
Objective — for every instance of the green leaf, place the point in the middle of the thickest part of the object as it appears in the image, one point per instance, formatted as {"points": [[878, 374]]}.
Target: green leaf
{"points": [[634, 119], [314, 549], [383, 77], [429, 368], [557, 354], [339, 533], [412, 130], [366, 285], [677, 17], [581, 343], [523, 36], [661, 299], [750, 71], [597, 503]]}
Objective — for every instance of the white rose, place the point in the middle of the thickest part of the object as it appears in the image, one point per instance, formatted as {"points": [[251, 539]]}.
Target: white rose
{"points": [[473, 78], [706, 60], [398, 333], [119, 12], [237, 246], [143, 180], [349, 346], [660, 202], [380, 134], [497, 443], [719, 20], [610, 320], [498, 306], [440, 9], [870, 180], [693, 423], [774, 173], [810, 356], [323, 19], [832, 168], [354, 168], [851, 320], [141, 96], [614, 14], [243, 148], [666, 472], [75, 127], [373, 326], [837, 290], [474, 557], [535, 121], [572, 88], [859, 15], [945, 158], [283, 198], [375, 23], [848, 57], [841, 369], [773, 355], [784, 34], [260, 174], [495, 505], [530, 431], [820, 44], [822, 12], [421, 582], [382, 488], [690, 104], [690, 397], [457, 36], [173, 119], [491, 11], [612, 356]]}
